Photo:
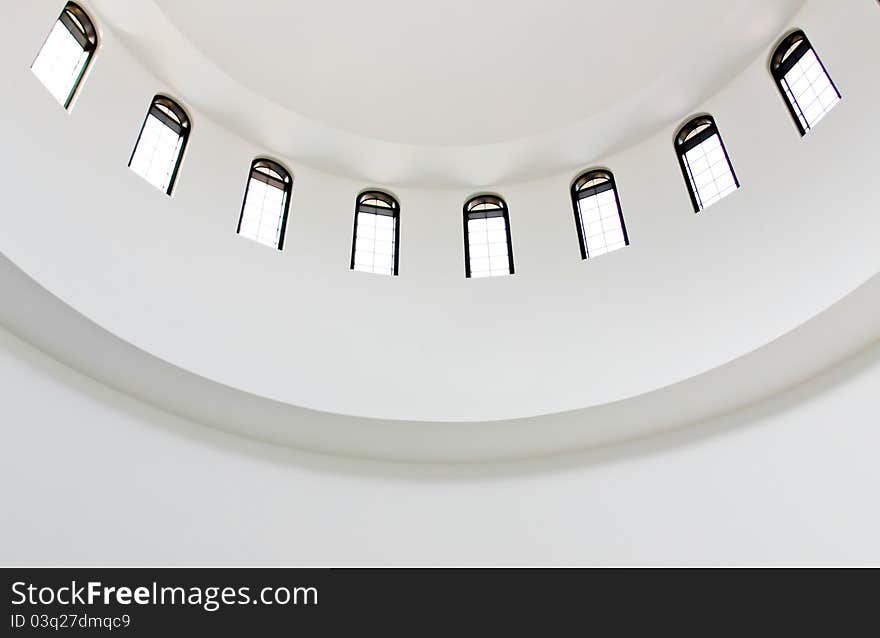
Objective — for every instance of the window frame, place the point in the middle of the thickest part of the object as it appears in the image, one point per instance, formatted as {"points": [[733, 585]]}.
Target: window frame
{"points": [[72, 17], [476, 200], [183, 128], [781, 64], [388, 198], [683, 145], [285, 184], [576, 189]]}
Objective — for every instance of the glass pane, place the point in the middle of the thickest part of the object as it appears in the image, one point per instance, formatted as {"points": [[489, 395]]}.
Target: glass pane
{"points": [[809, 90], [374, 243], [263, 213], [600, 223], [488, 248], [156, 153], [709, 172], [60, 63]]}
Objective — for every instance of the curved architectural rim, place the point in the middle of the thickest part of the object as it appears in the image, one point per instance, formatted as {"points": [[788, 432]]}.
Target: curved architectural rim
{"points": [[333, 150], [40, 318]]}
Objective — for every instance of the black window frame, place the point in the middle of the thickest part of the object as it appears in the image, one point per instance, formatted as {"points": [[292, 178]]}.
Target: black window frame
{"points": [[394, 212], [787, 53], [578, 192], [182, 126], [80, 25], [684, 143], [284, 182], [503, 211]]}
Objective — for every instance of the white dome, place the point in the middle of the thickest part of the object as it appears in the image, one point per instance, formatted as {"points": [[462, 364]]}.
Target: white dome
{"points": [[298, 329], [486, 92], [577, 410]]}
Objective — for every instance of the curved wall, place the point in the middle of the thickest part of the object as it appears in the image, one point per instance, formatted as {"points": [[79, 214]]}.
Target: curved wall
{"points": [[95, 478], [691, 293], [98, 477], [526, 46]]}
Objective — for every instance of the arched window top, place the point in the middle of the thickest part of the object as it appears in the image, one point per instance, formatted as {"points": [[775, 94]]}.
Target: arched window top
{"points": [[704, 162], [171, 114], [789, 50], [271, 173], [80, 26], [65, 55], [592, 182], [695, 131], [378, 203], [598, 216], [803, 81], [485, 204]]}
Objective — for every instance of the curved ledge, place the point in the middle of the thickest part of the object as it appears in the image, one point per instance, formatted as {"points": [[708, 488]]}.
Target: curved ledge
{"points": [[41, 319], [648, 95]]}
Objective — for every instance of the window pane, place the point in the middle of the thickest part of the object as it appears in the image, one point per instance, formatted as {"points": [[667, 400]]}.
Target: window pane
{"points": [[262, 216], [809, 90], [488, 248], [710, 174], [157, 152], [374, 243], [602, 229], [60, 63]]}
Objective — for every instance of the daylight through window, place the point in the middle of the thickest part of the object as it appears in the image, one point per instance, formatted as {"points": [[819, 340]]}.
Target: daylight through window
{"points": [[62, 61], [487, 237], [376, 233], [803, 81], [704, 162], [266, 202], [161, 143], [598, 215]]}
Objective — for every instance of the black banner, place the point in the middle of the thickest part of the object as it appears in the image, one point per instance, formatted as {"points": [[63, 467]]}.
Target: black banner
{"points": [[154, 602]]}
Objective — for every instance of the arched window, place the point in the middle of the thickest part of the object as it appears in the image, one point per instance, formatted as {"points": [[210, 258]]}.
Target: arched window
{"points": [[376, 240], [597, 213], [803, 81], [704, 162], [161, 143], [62, 61], [266, 202], [487, 250]]}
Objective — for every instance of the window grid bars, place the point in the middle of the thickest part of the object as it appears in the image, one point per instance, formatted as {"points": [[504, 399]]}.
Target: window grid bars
{"points": [[164, 135], [61, 63], [376, 235], [810, 90], [705, 164], [597, 204], [803, 81], [486, 229], [155, 156], [262, 217]]}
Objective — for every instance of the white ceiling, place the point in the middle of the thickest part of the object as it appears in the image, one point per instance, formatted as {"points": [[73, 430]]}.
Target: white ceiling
{"points": [[465, 91], [463, 72], [693, 296]]}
